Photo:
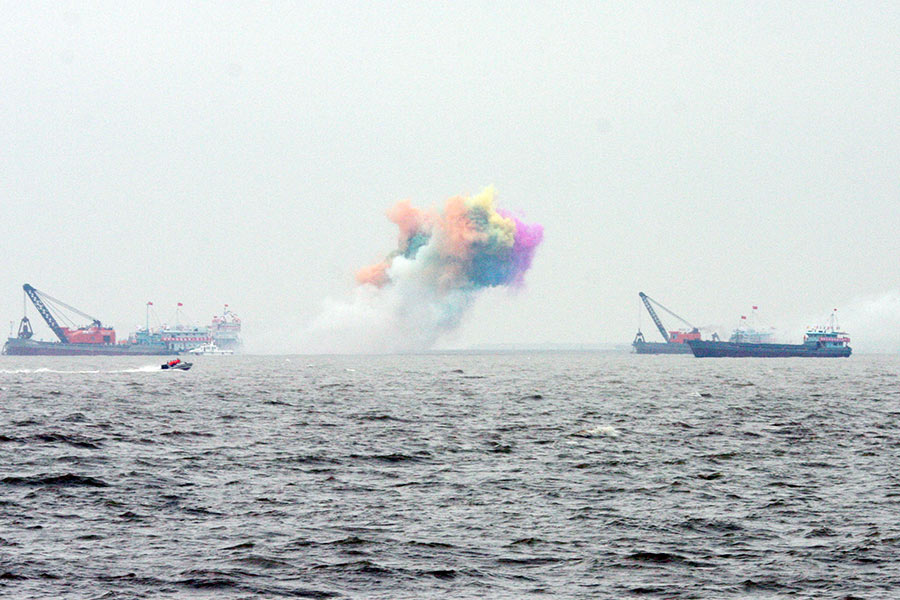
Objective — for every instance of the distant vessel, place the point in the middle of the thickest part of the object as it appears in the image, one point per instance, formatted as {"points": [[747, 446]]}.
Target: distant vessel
{"points": [[825, 342], [225, 331], [210, 348], [96, 339], [676, 341], [92, 340]]}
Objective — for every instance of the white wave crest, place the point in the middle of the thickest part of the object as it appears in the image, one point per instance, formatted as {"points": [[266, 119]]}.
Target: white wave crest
{"points": [[599, 431]]}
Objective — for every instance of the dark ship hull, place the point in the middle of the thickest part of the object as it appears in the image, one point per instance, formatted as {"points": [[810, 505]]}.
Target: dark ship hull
{"points": [[709, 349], [27, 347], [660, 348]]}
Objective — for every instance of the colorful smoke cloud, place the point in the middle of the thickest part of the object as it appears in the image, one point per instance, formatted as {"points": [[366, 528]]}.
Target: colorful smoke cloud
{"points": [[423, 288]]}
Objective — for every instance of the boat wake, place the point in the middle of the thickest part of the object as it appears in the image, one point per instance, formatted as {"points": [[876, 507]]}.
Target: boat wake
{"points": [[143, 369]]}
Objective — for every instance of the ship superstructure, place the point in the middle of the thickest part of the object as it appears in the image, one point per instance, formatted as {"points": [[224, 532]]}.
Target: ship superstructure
{"points": [[180, 338], [225, 330]]}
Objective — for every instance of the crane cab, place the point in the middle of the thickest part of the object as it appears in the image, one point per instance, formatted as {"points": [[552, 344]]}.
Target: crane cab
{"points": [[682, 337], [90, 335]]}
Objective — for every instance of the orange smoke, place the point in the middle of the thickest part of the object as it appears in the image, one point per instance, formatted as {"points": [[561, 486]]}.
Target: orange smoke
{"points": [[375, 274], [409, 219], [457, 229]]}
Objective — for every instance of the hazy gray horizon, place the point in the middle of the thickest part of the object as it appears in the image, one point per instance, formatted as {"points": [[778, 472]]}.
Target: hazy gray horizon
{"points": [[714, 156]]}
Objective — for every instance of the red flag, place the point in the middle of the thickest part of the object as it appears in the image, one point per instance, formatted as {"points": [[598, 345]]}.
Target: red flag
{"points": [[149, 304], [743, 317], [755, 307], [180, 304]]}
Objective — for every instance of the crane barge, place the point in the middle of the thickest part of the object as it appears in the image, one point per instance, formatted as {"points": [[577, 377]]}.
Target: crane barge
{"points": [[92, 339], [676, 341], [97, 339]]}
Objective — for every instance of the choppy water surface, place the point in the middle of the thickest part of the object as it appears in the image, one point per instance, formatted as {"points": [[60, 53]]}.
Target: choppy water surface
{"points": [[450, 476]]}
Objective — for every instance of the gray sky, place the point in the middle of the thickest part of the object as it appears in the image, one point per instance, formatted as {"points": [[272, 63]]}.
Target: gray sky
{"points": [[713, 155]]}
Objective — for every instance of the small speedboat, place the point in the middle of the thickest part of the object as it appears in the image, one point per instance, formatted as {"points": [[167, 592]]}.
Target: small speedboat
{"points": [[177, 364]]}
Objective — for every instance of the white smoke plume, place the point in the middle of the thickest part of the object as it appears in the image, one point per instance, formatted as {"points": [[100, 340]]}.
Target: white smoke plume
{"points": [[406, 317], [873, 322]]}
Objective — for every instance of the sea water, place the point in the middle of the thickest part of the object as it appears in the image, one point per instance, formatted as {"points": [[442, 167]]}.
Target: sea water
{"points": [[557, 475]]}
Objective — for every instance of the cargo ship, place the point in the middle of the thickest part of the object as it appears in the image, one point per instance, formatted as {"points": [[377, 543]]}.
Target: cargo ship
{"points": [[98, 340], [819, 342], [676, 341]]}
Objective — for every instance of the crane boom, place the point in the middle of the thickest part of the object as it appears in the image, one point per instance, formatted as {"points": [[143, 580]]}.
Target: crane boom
{"points": [[45, 313], [682, 319], [666, 335], [96, 322], [646, 300]]}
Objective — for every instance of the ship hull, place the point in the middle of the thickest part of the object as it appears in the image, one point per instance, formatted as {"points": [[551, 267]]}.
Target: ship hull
{"points": [[20, 347], [660, 348], [708, 349]]}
